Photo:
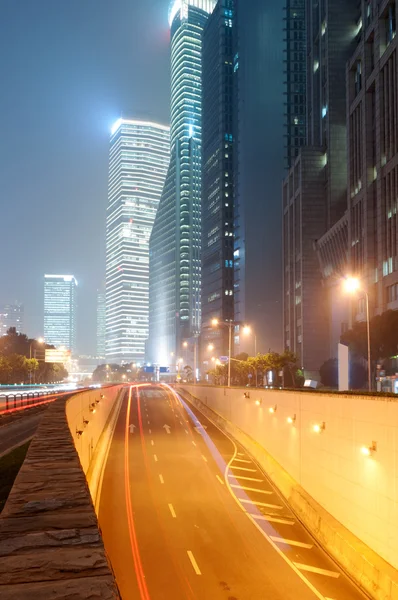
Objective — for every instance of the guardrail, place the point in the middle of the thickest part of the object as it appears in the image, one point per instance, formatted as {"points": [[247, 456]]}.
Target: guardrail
{"points": [[22, 400]]}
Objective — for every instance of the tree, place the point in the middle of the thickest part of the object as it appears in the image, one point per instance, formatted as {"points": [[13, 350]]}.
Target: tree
{"points": [[188, 374], [383, 337], [329, 373]]}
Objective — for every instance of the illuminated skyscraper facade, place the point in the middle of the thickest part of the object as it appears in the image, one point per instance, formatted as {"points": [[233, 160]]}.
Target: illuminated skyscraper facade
{"points": [[218, 154], [60, 311], [175, 272], [101, 324], [139, 158]]}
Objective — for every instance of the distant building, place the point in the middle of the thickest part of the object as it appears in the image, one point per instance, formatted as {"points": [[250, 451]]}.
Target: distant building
{"points": [[11, 315], [101, 324], [218, 160], [175, 245], [60, 311], [139, 158]]}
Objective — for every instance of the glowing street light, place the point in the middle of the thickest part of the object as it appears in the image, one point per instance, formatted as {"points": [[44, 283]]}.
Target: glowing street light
{"points": [[210, 347], [352, 285], [230, 325], [185, 344], [40, 341]]}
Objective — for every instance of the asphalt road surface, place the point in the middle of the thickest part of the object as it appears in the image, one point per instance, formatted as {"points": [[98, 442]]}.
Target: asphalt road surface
{"points": [[187, 514], [18, 432]]}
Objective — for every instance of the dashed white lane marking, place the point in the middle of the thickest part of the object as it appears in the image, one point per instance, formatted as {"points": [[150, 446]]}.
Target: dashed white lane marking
{"points": [[250, 489], [173, 512], [273, 519], [244, 501], [186, 431], [311, 569], [243, 460], [280, 540], [180, 422], [194, 563], [155, 457], [220, 480], [152, 443], [194, 443], [150, 431], [245, 478], [240, 454], [243, 469], [204, 458], [148, 422], [161, 478]]}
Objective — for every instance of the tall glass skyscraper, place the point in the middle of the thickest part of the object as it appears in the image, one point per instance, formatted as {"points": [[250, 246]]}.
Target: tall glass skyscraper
{"points": [[174, 289], [101, 324], [139, 158], [218, 157], [60, 311]]}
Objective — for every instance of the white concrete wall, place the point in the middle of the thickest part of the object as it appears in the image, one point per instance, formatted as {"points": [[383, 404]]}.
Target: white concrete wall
{"points": [[78, 407], [360, 492]]}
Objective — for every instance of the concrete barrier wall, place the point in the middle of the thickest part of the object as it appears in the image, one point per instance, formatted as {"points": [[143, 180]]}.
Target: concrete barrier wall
{"points": [[334, 477], [50, 543], [79, 409]]}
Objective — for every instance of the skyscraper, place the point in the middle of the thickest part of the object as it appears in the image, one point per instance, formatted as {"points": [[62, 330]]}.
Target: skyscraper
{"points": [[101, 324], [174, 289], [295, 71], [60, 311], [139, 157], [315, 190], [218, 153], [11, 315]]}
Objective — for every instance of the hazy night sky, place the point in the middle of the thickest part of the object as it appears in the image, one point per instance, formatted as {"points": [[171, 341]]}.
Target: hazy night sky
{"points": [[68, 71]]}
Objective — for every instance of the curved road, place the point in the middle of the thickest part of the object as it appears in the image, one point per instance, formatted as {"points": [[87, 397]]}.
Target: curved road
{"points": [[187, 514]]}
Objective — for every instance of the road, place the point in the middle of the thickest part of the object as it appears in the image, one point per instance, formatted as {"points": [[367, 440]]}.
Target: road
{"points": [[187, 514], [16, 433]]}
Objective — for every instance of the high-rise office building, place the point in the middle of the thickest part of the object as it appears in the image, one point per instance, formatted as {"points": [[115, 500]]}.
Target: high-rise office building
{"points": [[314, 192], [175, 270], [101, 324], [11, 315], [139, 158], [295, 72], [60, 311], [218, 158], [259, 167], [372, 122]]}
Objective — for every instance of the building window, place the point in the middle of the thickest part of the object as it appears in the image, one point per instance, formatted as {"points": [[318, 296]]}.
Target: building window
{"points": [[358, 77]]}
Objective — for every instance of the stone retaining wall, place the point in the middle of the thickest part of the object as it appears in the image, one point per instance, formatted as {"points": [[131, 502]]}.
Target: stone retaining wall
{"points": [[50, 543]]}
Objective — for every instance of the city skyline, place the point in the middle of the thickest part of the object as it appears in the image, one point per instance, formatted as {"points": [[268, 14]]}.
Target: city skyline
{"points": [[55, 213]]}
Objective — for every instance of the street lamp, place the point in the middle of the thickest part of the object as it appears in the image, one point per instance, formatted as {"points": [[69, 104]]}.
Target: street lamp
{"points": [[247, 331], [39, 340], [210, 347], [230, 325], [351, 286]]}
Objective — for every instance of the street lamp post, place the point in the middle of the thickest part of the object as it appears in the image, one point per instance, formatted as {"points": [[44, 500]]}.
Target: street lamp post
{"points": [[185, 345], [352, 285], [230, 325], [38, 341], [247, 330]]}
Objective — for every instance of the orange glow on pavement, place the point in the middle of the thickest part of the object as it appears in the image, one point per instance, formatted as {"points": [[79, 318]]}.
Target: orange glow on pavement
{"points": [[144, 594]]}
